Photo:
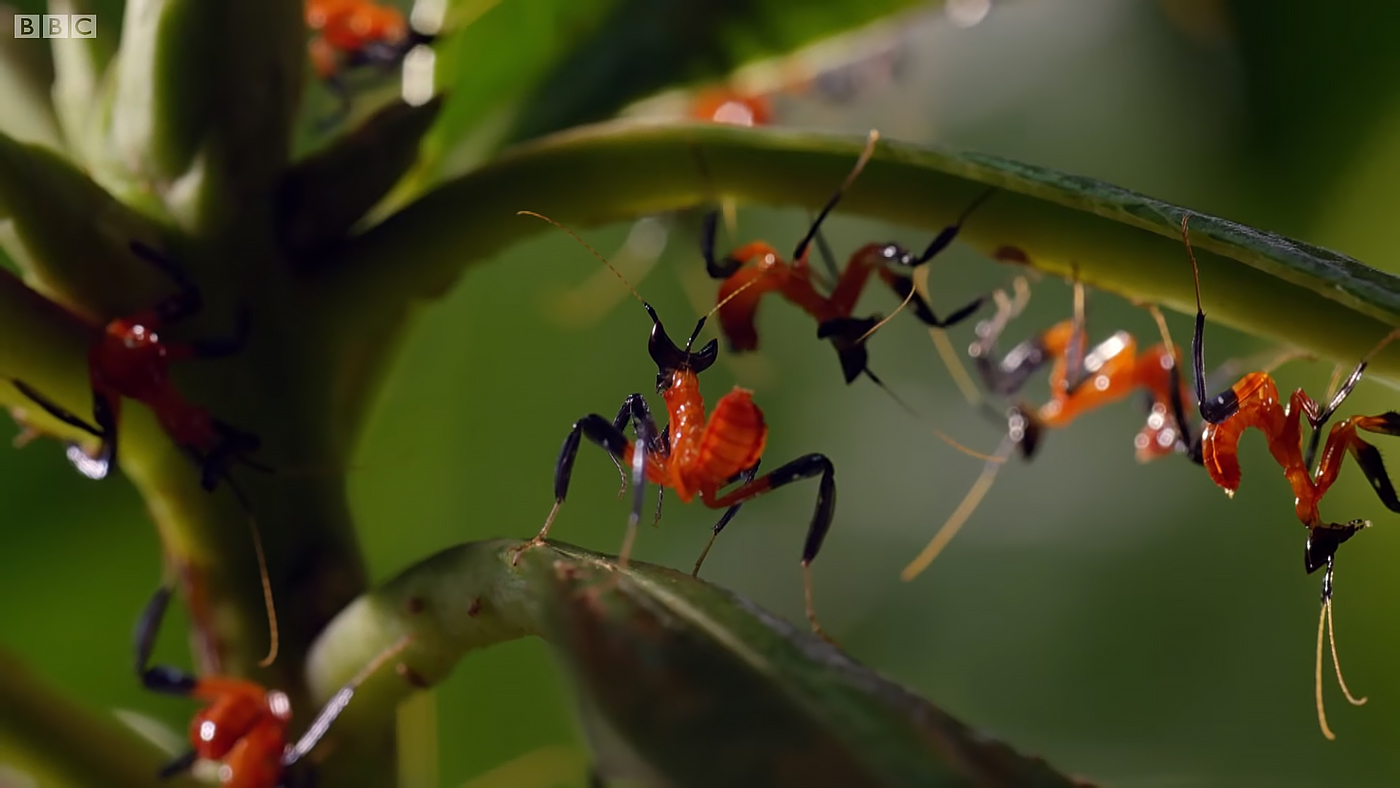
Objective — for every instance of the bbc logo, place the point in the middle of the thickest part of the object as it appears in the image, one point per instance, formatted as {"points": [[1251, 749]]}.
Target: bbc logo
{"points": [[55, 25]]}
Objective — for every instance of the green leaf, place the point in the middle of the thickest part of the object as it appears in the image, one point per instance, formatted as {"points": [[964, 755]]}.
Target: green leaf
{"points": [[72, 236], [326, 193], [208, 92], [1119, 241], [525, 69], [26, 72], [746, 696], [644, 46]]}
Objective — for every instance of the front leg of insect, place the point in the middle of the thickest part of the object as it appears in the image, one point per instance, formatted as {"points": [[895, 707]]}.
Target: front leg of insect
{"points": [[607, 435]]}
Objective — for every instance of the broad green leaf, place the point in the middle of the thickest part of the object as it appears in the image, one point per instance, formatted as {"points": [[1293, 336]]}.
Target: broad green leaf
{"points": [[322, 196], [644, 46], [205, 100], [520, 69], [1119, 241], [72, 235], [704, 686]]}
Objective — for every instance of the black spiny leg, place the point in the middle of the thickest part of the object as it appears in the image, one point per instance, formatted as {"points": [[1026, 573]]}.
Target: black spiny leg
{"points": [[1369, 457], [606, 435], [717, 269], [801, 468], [233, 444], [1319, 419], [1224, 405], [157, 678], [903, 286], [744, 477], [948, 234]]}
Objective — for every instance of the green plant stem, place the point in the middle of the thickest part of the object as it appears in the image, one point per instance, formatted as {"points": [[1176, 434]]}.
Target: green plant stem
{"points": [[48, 735], [1119, 241]]}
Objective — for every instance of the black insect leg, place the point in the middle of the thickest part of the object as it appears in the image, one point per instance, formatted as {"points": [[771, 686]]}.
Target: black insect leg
{"points": [[745, 477], [1369, 457], [606, 435], [802, 468], [1222, 406], [903, 286], [717, 269], [157, 678]]}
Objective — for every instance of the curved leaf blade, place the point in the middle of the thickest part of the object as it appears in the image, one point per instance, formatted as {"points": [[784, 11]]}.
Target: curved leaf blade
{"points": [[744, 691], [1120, 241]]}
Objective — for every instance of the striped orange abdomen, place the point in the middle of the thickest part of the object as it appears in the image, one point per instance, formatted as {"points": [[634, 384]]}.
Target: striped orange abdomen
{"points": [[734, 438]]}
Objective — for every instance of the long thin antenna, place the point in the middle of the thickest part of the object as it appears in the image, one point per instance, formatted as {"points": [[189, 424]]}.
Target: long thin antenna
{"points": [[263, 577], [1332, 641], [907, 298], [960, 515], [591, 250], [1317, 676], [339, 701]]}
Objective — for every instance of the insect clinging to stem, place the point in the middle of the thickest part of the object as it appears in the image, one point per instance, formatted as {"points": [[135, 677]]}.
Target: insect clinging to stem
{"points": [[695, 455], [244, 727], [1254, 401], [130, 360]]}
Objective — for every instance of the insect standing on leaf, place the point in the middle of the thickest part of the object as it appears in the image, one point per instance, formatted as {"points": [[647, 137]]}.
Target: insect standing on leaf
{"points": [[131, 361], [1082, 379], [1254, 402], [244, 727], [756, 269], [695, 455], [349, 34]]}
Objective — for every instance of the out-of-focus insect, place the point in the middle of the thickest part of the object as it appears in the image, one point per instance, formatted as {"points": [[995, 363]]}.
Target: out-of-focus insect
{"points": [[1254, 401], [349, 34], [757, 269], [1082, 379], [244, 727], [131, 361], [695, 455]]}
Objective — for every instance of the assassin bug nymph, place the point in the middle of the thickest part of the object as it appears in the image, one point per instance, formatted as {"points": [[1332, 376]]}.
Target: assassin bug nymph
{"points": [[1254, 401], [695, 455], [756, 269], [244, 727], [131, 361]]}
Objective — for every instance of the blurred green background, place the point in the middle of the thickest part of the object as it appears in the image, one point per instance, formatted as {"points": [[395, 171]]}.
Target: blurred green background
{"points": [[1130, 623]]}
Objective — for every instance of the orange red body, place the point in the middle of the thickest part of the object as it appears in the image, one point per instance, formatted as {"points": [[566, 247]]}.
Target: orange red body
{"points": [[706, 453], [727, 105], [244, 727], [349, 30], [763, 272], [130, 361], [1112, 371]]}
